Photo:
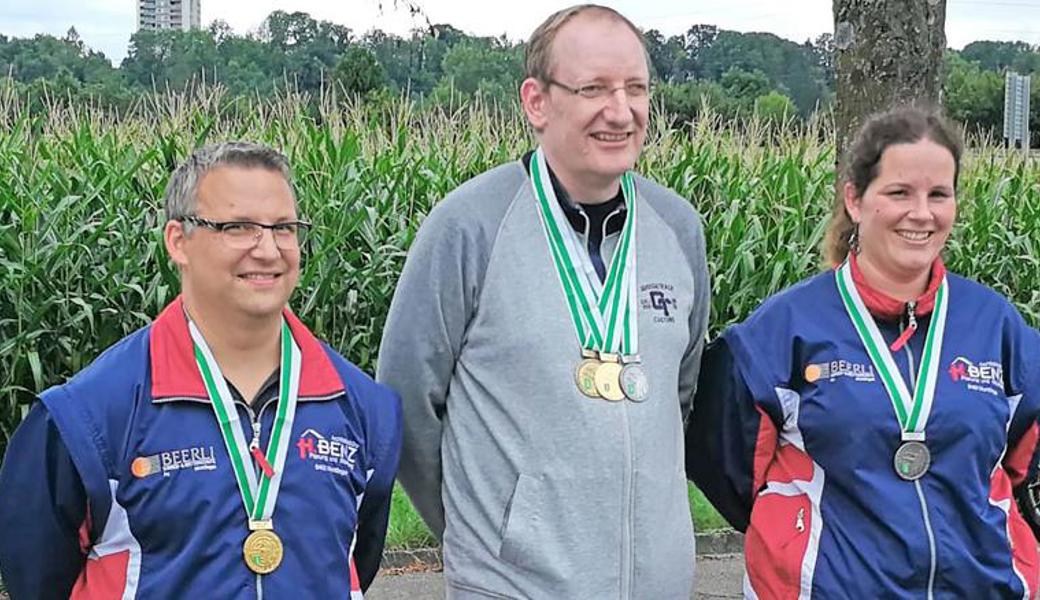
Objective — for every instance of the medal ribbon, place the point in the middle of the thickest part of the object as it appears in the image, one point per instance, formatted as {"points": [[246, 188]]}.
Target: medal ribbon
{"points": [[602, 313], [258, 497], [912, 412]]}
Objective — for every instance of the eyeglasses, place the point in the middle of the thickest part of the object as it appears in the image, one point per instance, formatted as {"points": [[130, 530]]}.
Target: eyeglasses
{"points": [[598, 91], [243, 235]]}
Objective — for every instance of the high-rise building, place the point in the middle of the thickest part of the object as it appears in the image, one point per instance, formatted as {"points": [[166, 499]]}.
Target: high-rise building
{"points": [[168, 14]]}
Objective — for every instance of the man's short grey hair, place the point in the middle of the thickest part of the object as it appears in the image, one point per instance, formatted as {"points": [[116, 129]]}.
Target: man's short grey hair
{"points": [[180, 199]]}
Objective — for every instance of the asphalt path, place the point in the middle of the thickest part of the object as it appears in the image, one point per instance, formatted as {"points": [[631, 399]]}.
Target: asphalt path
{"points": [[718, 576]]}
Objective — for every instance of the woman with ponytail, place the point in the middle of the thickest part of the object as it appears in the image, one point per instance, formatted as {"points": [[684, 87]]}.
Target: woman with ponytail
{"points": [[869, 426]]}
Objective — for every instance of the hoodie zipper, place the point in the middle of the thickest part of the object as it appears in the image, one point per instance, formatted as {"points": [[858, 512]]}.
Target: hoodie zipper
{"points": [[627, 479]]}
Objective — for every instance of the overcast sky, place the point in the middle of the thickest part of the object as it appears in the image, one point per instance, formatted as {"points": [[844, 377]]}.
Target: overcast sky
{"points": [[106, 25]]}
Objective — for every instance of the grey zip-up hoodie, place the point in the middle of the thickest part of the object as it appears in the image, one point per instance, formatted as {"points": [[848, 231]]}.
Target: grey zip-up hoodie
{"points": [[536, 490]]}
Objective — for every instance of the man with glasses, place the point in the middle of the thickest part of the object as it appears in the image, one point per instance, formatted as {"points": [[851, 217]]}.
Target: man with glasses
{"points": [[545, 338], [222, 451]]}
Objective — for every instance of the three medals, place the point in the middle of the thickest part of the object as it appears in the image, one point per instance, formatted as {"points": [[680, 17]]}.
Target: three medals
{"points": [[604, 314], [606, 376]]}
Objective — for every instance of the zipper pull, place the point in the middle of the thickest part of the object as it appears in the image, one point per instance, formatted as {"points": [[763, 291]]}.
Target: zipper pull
{"points": [[799, 524], [254, 444], [258, 456], [911, 327]]}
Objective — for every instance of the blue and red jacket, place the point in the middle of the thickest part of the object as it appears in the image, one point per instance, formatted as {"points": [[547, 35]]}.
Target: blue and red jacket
{"points": [[792, 438], [118, 483]]}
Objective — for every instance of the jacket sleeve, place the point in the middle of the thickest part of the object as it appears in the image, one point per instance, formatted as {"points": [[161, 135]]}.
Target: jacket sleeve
{"points": [[729, 439], [1022, 459], [374, 512], [43, 506], [432, 306]]}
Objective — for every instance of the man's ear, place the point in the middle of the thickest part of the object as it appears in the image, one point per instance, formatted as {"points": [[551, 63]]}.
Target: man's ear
{"points": [[174, 237], [534, 97]]}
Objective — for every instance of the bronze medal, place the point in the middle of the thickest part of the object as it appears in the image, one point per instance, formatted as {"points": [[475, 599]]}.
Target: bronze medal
{"points": [[585, 377], [263, 551], [608, 381]]}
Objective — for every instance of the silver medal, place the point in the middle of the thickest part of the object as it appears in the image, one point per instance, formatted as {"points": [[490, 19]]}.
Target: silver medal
{"points": [[634, 382], [912, 460]]}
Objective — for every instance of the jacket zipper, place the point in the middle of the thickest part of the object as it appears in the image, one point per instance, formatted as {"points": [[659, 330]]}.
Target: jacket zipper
{"points": [[255, 426], [912, 322], [254, 443]]}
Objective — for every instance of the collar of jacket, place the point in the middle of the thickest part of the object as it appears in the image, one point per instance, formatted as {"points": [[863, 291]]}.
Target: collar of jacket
{"points": [[883, 306], [175, 374]]}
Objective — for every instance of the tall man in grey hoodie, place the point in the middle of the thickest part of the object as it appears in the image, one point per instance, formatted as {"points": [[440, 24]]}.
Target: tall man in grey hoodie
{"points": [[545, 337]]}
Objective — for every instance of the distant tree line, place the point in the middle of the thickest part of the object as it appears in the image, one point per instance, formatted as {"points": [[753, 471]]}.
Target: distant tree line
{"points": [[734, 74]]}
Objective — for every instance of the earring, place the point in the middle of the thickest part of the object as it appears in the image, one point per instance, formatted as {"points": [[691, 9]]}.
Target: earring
{"points": [[854, 239]]}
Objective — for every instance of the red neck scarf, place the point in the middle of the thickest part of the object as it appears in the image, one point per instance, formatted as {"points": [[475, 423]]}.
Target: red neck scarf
{"points": [[883, 306]]}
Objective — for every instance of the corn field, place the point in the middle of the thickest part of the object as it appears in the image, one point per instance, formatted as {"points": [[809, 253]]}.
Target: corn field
{"points": [[82, 262]]}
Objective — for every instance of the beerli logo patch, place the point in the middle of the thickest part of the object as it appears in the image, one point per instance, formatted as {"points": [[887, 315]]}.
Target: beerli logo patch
{"points": [[198, 458], [986, 376], [334, 454], [659, 298], [839, 368]]}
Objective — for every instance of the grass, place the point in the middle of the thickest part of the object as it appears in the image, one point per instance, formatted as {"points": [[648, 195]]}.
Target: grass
{"points": [[82, 265], [705, 517], [406, 530]]}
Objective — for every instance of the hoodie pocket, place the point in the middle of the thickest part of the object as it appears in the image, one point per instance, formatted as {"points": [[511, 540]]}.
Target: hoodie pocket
{"points": [[520, 523], [557, 524]]}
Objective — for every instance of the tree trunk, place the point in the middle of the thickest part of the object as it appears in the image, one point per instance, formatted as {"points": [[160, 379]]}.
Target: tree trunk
{"points": [[889, 52]]}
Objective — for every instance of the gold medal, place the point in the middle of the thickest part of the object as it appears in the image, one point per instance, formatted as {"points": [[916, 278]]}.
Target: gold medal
{"points": [[608, 382], [262, 551], [585, 377]]}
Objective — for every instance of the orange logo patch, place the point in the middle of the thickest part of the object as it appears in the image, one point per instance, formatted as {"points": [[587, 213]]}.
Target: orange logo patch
{"points": [[143, 466]]}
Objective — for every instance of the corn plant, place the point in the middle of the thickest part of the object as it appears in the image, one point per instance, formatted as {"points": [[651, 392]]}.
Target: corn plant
{"points": [[82, 262]]}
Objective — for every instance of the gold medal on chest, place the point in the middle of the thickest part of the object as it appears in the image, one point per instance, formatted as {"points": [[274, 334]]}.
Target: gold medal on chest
{"points": [[585, 377], [263, 551], [608, 381]]}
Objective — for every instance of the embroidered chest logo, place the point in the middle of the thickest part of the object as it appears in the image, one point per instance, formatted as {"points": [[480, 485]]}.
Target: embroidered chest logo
{"points": [[859, 372], [198, 458], [659, 298], [335, 454], [986, 376]]}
